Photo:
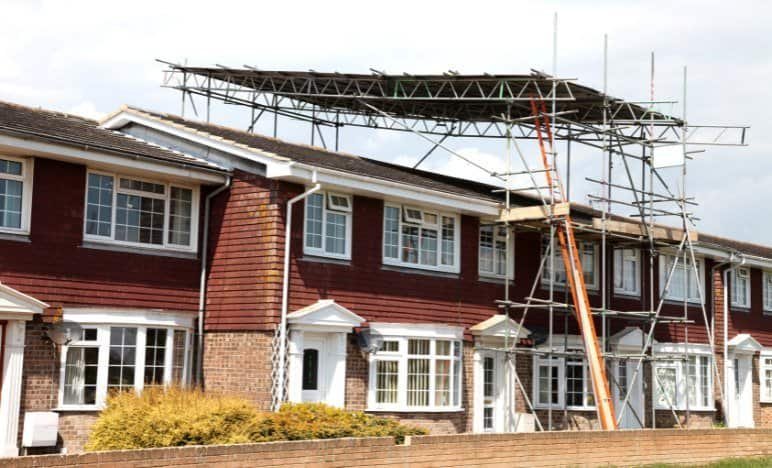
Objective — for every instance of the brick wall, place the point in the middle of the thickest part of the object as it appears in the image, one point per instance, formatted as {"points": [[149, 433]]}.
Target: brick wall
{"points": [[592, 448]]}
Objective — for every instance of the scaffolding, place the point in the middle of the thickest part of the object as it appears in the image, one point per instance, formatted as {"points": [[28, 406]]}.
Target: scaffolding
{"points": [[632, 135]]}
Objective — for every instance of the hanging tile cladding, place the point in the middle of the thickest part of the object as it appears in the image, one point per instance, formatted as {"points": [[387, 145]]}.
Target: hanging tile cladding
{"points": [[54, 266], [754, 320], [245, 278]]}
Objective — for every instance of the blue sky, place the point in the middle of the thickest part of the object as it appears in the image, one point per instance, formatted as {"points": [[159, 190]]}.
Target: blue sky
{"points": [[90, 57]]}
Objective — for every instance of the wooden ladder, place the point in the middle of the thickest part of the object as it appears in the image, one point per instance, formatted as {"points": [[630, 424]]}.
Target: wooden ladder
{"points": [[573, 265]]}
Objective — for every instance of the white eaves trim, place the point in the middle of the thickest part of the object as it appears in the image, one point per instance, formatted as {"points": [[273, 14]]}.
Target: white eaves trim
{"points": [[726, 255], [143, 317], [280, 167], [418, 330], [99, 159], [16, 304]]}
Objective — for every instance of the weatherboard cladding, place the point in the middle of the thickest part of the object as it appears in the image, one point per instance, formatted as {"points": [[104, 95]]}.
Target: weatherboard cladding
{"points": [[61, 128]]}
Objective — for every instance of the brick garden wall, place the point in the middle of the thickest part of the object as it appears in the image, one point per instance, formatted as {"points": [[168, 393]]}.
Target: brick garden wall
{"points": [[595, 448]]}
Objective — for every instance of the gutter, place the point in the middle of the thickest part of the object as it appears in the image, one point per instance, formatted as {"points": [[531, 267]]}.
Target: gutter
{"points": [[726, 335], [202, 282], [285, 290]]}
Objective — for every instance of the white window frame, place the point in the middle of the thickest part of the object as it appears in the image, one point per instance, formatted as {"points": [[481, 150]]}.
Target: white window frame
{"points": [[455, 268], [497, 237], [194, 208], [542, 360], [677, 352], [26, 177], [402, 333], [622, 257], [737, 273], [767, 292], [326, 207], [664, 269], [139, 321], [581, 245], [765, 385]]}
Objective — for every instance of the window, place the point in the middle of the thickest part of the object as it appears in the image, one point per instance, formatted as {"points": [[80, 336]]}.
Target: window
{"points": [[310, 369], [328, 225], [562, 383], [493, 251], [765, 376], [141, 213], [683, 284], [120, 358], [15, 194], [488, 393], [683, 379], [627, 272], [741, 288], [767, 279], [418, 373], [589, 257], [420, 239]]}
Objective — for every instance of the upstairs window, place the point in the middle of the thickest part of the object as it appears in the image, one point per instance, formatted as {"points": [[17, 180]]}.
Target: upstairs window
{"points": [[493, 251], [328, 225], [627, 271], [130, 211], [588, 252], [683, 284], [15, 194], [741, 288], [767, 287], [420, 238]]}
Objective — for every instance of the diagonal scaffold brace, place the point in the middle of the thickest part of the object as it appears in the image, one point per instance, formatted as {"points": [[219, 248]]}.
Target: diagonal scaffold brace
{"points": [[574, 272]]}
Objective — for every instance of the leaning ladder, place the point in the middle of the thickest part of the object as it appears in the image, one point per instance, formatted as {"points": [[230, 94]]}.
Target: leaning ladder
{"points": [[573, 266]]}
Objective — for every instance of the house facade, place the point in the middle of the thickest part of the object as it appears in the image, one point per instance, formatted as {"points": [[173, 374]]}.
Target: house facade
{"points": [[385, 279]]}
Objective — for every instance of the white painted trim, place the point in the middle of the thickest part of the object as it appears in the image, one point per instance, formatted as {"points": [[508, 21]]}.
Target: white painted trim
{"points": [[664, 270], [766, 353], [510, 273], [26, 179], [324, 316], [733, 282], [418, 330], [141, 317], [638, 264], [744, 343], [322, 252], [64, 152], [677, 351], [16, 305]]}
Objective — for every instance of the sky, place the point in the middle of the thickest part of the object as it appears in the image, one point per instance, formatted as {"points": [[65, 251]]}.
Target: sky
{"points": [[89, 58]]}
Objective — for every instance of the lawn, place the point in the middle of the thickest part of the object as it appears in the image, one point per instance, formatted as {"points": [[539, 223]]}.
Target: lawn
{"points": [[728, 463]]}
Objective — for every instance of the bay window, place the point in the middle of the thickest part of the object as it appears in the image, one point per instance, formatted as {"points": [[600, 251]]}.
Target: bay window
{"points": [[493, 252], [126, 357], [683, 377], [588, 252], [627, 272], [765, 376], [420, 238], [15, 194], [683, 284], [420, 373], [767, 291], [562, 382], [328, 225], [741, 288], [129, 211]]}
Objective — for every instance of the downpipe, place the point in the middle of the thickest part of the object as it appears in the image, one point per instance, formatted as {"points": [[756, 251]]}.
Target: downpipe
{"points": [[285, 288]]}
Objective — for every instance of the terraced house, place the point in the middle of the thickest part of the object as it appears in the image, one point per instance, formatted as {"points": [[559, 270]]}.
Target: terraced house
{"points": [[175, 251]]}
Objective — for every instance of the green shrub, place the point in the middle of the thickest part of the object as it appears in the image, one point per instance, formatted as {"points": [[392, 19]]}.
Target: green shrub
{"points": [[176, 417]]}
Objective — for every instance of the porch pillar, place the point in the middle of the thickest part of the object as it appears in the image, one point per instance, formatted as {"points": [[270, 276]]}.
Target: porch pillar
{"points": [[10, 395]]}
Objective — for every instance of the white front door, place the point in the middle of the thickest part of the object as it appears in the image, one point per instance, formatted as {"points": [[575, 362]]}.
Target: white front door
{"points": [[741, 391], [632, 414], [494, 393], [314, 371]]}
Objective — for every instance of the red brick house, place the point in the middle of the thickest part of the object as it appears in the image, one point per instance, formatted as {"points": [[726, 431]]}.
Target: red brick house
{"points": [[115, 218]]}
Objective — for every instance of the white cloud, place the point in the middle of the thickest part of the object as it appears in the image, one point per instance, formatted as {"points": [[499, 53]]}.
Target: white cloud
{"points": [[86, 109]]}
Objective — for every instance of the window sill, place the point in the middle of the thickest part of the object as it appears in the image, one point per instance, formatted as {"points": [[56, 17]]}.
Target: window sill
{"points": [[591, 290], [15, 236], [90, 244], [420, 271], [494, 279], [679, 302], [683, 408], [627, 295], [415, 410], [77, 408], [320, 259], [569, 408], [741, 309]]}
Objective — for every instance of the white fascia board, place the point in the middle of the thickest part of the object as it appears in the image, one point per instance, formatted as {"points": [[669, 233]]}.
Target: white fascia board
{"points": [[283, 168], [418, 330], [681, 348], [377, 188], [725, 255], [98, 159], [141, 317]]}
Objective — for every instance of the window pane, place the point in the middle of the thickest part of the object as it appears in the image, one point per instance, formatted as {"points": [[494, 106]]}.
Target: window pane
{"points": [[314, 220], [486, 249], [410, 244], [386, 376], [178, 358], [391, 232], [448, 240], [122, 361], [180, 216], [418, 382], [560, 269], [666, 387], [548, 373], [442, 382], [310, 369], [428, 247], [99, 205], [442, 348], [418, 347], [335, 240], [10, 203], [574, 382], [705, 380], [588, 262], [155, 356], [488, 377], [80, 376], [142, 186], [139, 219], [10, 167]]}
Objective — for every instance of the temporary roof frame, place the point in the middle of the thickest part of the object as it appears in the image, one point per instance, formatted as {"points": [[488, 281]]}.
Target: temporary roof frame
{"points": [[499, 106]]}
